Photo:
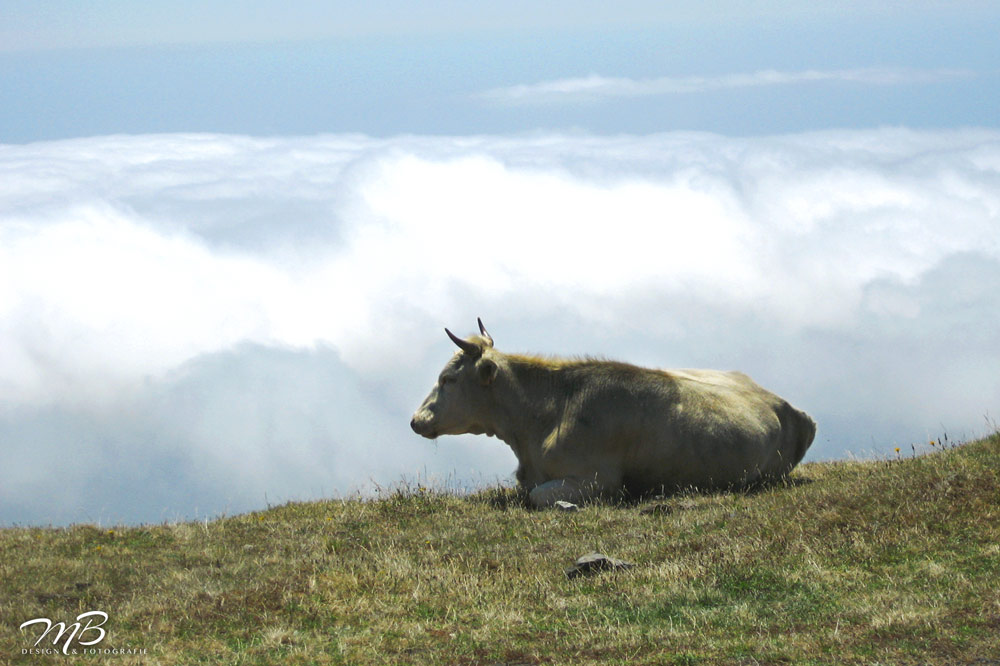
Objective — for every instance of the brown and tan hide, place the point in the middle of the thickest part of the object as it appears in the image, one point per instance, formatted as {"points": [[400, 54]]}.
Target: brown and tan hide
{"points": [[588, 428]]}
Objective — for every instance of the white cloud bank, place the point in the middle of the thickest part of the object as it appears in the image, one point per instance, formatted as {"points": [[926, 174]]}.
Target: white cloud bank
{"points": [[595, 87], [190, 323]]}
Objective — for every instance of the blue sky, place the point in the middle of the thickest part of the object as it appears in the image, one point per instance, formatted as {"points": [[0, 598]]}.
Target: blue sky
{"points": [[231, 236], [72, 69]]}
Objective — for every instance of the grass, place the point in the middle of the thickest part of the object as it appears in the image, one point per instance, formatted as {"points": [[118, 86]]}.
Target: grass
{"points": [[880, 562]]}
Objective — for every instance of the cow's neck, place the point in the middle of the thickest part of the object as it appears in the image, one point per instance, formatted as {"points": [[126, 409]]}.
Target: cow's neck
{"points": [[528, 403]]}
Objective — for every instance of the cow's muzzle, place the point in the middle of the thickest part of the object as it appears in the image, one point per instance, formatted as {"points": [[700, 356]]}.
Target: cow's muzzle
{"points": [[423, 425]]}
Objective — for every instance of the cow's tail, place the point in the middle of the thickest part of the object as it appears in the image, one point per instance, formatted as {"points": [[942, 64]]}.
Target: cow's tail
{"points": [[801, 433], [799, 430]]}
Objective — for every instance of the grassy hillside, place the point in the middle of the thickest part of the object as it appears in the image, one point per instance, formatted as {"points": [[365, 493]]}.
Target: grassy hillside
{"points": [[889, 562]]}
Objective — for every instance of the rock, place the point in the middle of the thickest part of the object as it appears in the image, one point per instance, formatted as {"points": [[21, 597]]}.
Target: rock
{"points": [[593, 563], [657, 510], [566, 506]]}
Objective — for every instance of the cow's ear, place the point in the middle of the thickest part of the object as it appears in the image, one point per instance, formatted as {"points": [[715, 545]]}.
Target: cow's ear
{"points": [[487, 370]]}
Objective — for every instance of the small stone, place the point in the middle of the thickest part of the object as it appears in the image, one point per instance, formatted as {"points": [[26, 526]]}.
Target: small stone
{"points": [[593, 563], [562, 505]]}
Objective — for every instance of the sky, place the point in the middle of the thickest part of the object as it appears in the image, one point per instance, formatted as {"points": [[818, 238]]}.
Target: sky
{"points": [[230, 240]]}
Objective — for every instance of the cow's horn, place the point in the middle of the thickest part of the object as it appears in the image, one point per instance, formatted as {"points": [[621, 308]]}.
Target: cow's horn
{"points": [[470, 348], [482, 329]]}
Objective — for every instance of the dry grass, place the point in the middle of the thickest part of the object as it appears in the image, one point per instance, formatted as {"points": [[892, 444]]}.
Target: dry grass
{"points": [[887, 562]]}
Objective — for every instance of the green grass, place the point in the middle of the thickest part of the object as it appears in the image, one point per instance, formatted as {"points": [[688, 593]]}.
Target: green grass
{"points": [[879, 562]]}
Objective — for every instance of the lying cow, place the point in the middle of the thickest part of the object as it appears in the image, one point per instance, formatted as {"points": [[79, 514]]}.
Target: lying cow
{"points": [[589, 428]]}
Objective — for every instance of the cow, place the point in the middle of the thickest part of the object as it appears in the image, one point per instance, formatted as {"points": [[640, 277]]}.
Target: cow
{"points": [[586, 429]]}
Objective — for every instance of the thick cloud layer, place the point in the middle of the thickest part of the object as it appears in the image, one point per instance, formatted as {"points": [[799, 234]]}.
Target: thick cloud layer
{"points": [[193, 324]]}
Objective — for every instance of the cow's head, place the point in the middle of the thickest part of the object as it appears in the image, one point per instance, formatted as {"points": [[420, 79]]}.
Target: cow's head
{"points": [[460, 401]]}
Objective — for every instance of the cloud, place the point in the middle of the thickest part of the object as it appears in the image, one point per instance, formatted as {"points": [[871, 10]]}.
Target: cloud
{"points": [[190, 324], [595, 87]]}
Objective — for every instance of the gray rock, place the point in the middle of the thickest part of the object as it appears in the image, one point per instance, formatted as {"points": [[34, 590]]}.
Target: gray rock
{"points": [[593, 563]]}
